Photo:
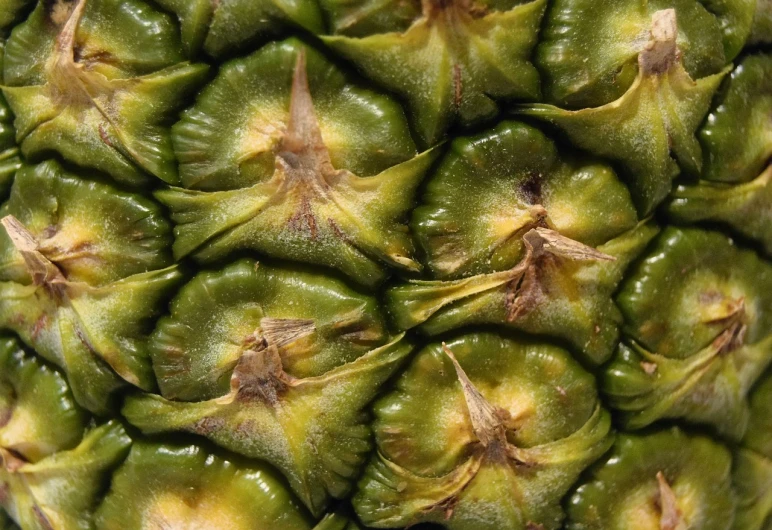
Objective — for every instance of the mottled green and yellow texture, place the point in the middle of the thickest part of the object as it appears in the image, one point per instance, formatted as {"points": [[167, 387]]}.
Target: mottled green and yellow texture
{"points": [[348, 264]]}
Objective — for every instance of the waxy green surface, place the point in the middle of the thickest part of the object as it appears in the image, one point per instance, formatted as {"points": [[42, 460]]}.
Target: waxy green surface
{"points": [[280, 362], [314, 429], [217, 316], [761, 33], [753, 486], [697, 333], [431, 464], [588, 51], [11, 10], [283, 155], [337, 521], [650, 129], [744, 208], [227, 27], [98, 81], [9, 151], [759, 434], [486, 193], [360, 18], [743, 110], [622, 491], [559, 294], [455, 64], [182, 486], [38, 415], [61, 491], [753, 462], [108, 270], [736, 19]]}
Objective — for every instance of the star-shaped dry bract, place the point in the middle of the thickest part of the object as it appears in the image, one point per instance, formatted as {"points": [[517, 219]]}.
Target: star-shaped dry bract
{"points": [[454, 63], [657, 116], [83, 268], [312, 429], [307, 210], [86, 97]]}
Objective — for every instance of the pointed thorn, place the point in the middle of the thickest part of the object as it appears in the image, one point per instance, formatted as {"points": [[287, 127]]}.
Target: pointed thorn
{"points": [[486, 419], [671, 516], [567, 248], [39, 267]]}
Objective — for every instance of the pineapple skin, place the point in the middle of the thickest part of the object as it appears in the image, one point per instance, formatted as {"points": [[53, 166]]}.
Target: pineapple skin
{"points": [[350, 264]]}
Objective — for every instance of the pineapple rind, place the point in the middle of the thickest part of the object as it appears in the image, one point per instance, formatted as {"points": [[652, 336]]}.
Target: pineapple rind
{"points": [[481, 198], [131, 40], [650, 130], [753, 463], [316, 433], [579, 308], [10, 11], [61, 491], [753, 484], [759, 435], [430, 466], [225, 28], [736, 19], [228, 139], [165, 485], [696, 335], [588, 51], [215, 315], [709, 387], [742, 111], [79, 222], [93, 325], [744, 208], [360, 18], [452, 66], [111, 116], [621, 491], [10, 160], [688, 288], [38, 415], [762, 23]]}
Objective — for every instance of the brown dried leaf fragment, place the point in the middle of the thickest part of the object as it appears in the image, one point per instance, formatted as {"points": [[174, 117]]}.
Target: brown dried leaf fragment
{"points": [[527, 288], [259, 372], [487, 420], [490, 423], [671, 518], [302, 153], [554, 243], [40, 268], [282, 331], [661, 52]]}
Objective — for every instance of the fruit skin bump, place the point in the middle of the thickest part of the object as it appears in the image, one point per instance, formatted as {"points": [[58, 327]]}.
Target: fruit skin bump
{"points": [[355, 264]]}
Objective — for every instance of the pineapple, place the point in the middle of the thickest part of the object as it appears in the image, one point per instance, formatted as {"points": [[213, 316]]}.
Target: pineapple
{"points": [[349, 264]]}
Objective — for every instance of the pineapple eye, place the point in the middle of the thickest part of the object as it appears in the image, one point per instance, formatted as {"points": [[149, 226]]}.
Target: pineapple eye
{"points": [[697, 333], [473, 418], [454, 65], [184, 486], [656, 480], [38, 415], [73, 253], [508, 226], [313, 168], [97, 81], [218, 317]]}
